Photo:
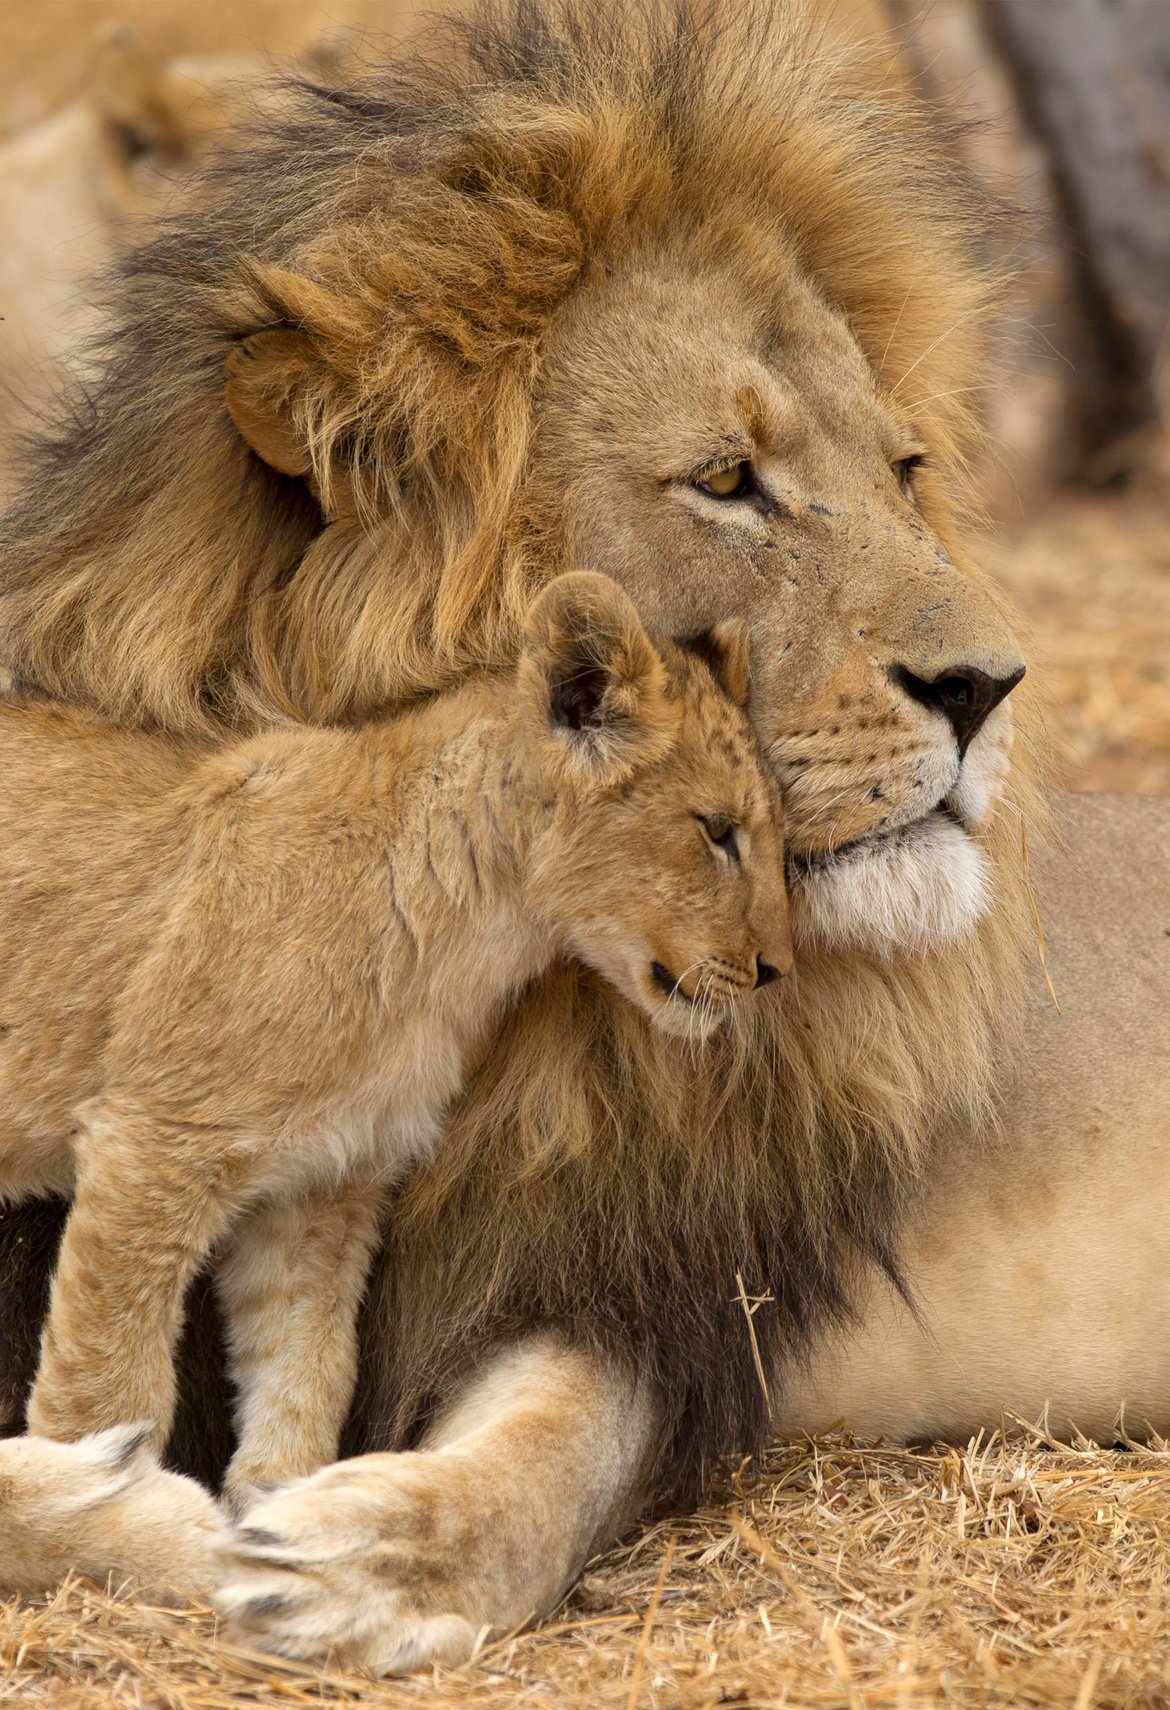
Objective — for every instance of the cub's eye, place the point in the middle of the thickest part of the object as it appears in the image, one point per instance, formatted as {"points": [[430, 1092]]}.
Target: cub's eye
{"points": [[719, 830], [734, 483], [904, 469]]}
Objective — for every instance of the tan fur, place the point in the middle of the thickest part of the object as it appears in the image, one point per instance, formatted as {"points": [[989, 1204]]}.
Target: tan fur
{"points": [[242, 976], [509, 311]]}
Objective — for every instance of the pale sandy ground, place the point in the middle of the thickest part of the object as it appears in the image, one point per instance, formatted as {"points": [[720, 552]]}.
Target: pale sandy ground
{"points": [[1091, 574]]}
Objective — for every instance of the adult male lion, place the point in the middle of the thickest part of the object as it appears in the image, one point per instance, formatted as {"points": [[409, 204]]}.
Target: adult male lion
{"points": [[697, 304]]}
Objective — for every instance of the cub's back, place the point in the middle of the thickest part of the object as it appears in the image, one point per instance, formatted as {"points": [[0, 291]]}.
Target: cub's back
{"points": [[87, 832], [65, 766]]}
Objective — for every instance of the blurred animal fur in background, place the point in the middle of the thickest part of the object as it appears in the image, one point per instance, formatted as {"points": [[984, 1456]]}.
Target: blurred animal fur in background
{"points": [[77, 184]]}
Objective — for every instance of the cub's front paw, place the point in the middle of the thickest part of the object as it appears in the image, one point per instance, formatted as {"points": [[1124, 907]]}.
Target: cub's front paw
{"points": [[102, 1506], [370, 1562]]}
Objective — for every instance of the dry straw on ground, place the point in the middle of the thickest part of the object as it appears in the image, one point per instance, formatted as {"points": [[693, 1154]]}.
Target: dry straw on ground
{"points": [[1014, 1574]]}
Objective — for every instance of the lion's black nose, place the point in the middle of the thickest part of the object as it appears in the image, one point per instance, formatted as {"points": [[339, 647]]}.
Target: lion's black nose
{"points": [[964, 695], [765, 972]]}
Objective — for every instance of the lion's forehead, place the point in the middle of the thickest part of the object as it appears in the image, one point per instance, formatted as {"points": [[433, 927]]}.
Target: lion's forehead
{"points": [[697, 351]]}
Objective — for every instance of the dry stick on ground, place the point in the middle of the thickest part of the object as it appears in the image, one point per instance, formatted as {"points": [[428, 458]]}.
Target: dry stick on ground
{"points": [[751, 1305]]}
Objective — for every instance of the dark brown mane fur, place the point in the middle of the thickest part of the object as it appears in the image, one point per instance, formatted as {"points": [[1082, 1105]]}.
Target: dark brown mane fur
{"points": [[420, 231]]}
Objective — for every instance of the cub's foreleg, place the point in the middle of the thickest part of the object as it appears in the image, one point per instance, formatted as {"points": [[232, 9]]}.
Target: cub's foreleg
{"points": [[291, 1286], [152, 1199], [398, 1561]]}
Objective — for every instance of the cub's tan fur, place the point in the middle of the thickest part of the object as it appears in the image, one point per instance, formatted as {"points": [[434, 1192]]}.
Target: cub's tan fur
{"points": [[486, 316], [244, 983], [102, 1507]]}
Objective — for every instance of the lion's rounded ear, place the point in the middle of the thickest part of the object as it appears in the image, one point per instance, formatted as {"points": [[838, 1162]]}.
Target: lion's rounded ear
{"points": [[261, 375], [727, 650], [599, 677]]}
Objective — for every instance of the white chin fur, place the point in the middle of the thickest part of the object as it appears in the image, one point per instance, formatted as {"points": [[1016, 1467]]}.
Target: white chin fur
{"points": [[915, 890]]}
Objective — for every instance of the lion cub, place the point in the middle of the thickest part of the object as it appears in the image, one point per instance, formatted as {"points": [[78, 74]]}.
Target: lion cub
{"points": [[240, 986]]}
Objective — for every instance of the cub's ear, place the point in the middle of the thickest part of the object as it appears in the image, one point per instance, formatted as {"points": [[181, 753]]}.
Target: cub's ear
{"points": [[600, 680], [726, 649], [262, 374]]}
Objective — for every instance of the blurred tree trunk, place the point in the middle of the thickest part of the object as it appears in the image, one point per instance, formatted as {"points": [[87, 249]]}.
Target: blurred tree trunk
{"points": [[1094, 81]]}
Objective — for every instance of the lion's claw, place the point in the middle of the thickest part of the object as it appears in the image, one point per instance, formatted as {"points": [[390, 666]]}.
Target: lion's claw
{"points": [[351, 1566]]}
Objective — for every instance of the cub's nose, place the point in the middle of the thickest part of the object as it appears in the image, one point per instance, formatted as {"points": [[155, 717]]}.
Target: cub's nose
{"points": [[765, 973], [964, 694]]}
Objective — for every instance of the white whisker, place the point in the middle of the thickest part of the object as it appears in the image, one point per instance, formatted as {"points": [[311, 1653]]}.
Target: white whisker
{"points": [[894, 328], [934, 344], [678, 983]]}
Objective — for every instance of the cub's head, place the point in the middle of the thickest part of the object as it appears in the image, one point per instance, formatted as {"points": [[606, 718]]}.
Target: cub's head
{"points": [[664, 867]]}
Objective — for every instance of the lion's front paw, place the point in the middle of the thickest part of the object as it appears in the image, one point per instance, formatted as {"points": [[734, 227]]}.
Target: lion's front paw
{"points": [[370, 1562]]}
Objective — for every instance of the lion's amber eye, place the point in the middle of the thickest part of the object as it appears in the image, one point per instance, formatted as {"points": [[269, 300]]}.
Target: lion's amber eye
{"points": [[730, 483], [904, 469], [719, 830]]}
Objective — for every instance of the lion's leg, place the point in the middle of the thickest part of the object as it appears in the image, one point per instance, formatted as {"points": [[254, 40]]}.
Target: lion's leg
{"points": [[398, 1561], [102, 1507], [290, 1288]]}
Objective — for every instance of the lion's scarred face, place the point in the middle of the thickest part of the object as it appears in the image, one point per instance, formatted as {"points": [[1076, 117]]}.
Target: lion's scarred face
{"points": [[716, 463]]}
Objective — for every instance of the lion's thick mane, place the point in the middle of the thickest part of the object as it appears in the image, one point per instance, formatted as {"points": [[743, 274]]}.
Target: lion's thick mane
{"points": [[420, 231]]}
